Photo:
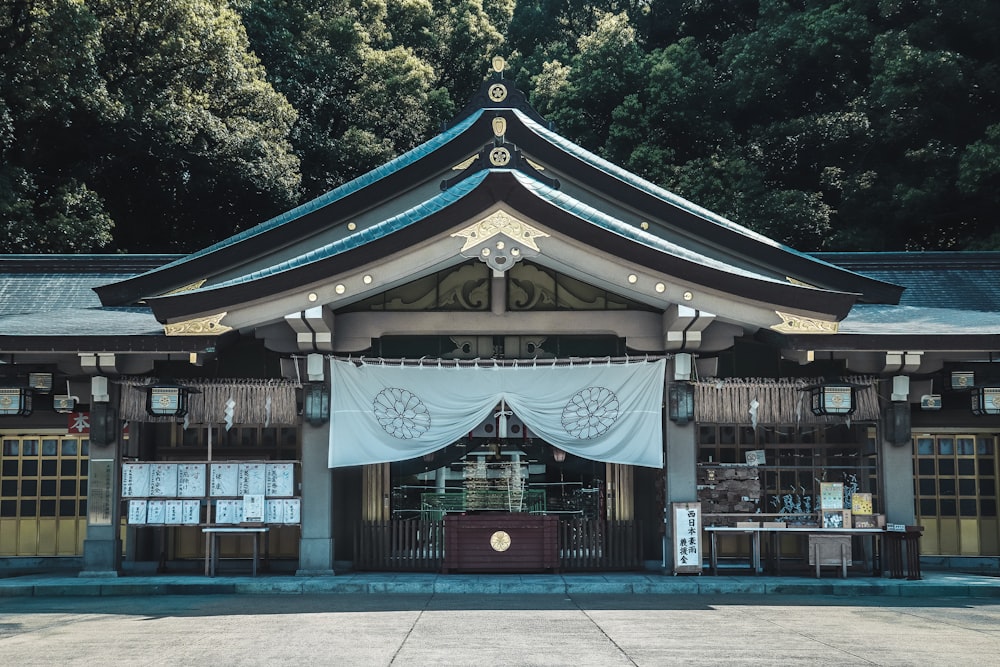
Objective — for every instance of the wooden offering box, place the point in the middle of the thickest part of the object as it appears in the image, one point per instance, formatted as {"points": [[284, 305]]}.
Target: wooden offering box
{"points": [[496, 542]]}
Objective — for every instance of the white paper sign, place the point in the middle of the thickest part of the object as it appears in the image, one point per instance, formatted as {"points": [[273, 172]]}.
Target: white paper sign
{"points": [[253, 508], [280, 480], [163, 480], [291, 510], [228, 511], [136, 512], [173, 512], [135, 480], [274, 511], [191, 512], [156, 512], [251, 480], [223, 511], [223, 480], [191, 480]]}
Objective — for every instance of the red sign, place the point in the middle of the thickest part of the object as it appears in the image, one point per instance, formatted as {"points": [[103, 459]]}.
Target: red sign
{"points": [[79, 423]]}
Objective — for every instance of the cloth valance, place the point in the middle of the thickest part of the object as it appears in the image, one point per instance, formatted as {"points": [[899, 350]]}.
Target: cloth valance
{"points": [[604, 411]]}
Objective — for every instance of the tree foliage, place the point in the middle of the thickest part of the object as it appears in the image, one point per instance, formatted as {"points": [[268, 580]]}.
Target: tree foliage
{"points": [[828, 124]]}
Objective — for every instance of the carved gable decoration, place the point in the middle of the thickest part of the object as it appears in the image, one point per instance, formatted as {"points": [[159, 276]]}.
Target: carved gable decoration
{"points": [[500, 240]]}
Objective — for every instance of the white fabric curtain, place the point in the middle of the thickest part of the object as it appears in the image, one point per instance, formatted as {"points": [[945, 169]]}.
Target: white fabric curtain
{"points": [[602, 411]]}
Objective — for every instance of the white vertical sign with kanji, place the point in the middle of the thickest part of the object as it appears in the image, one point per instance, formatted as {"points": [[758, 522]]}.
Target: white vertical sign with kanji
{"points": [[687, 538]]}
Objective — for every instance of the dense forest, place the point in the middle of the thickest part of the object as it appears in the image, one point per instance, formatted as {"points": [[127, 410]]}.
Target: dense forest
{"points": [[166, 125]]}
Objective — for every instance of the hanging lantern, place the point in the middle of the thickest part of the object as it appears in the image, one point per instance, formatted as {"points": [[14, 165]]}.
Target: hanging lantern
{"points": [[167, 400], [680, 397], [558, 455], [834, 398], [316, 403], [986, 401], [40, 383], [15, 401], [63, 404]]}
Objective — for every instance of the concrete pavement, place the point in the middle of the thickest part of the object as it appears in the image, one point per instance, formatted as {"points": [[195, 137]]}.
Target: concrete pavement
{"points": [[585, 630], [933, 584]]}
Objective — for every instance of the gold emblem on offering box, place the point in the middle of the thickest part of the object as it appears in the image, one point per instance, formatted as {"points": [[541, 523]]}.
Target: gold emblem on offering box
{"points": [[500, 541]]}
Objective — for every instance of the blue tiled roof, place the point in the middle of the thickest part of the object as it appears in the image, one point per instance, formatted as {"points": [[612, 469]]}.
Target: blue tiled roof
{"points": [[342, 191], [874, 319], [82, 322], [630, 231], [967, 281], [652, 189], [367, 235], [52, 283]]}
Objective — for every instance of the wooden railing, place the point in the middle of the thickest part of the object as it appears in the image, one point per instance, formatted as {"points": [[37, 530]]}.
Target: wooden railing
{"points": [[418, 546], [593, 544], [399, 545]]}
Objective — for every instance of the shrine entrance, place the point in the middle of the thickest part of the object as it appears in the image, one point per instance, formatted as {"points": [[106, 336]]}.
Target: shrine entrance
{"points": [[584, 506]]}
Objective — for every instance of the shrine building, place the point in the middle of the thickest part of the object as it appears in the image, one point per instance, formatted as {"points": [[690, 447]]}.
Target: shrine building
{"points": [[497, 352]]}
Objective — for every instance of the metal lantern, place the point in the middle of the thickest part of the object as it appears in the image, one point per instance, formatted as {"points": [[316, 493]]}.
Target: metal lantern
{"points": [[15, 401], [167, 400], [680, 397], [40, 383], [986, 401], [63, 404], [832, 399], [930, 402], [316, 403], [896, 423], [962, 379]]}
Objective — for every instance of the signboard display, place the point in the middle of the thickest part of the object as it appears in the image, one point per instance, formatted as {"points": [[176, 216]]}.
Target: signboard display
{"points": [[191, 512], [251, 480], [101, 492], [279, 480], [291, 510], [831, 495], [156, 512], [190, 480], [223, 481], [137, 512], [687, 538], [174, 494], [253, 508], [135, 480], [163, 480]]}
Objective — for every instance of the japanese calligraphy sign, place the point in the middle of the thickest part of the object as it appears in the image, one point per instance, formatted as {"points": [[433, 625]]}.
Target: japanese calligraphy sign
{"points": [[687, 537]]}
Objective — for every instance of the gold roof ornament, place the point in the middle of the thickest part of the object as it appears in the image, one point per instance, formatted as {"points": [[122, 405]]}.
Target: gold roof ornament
{"points": [[498, 92], [186, 288], [499, 126], [797, 324], [496, 223], [499, 64], [205, 326]]}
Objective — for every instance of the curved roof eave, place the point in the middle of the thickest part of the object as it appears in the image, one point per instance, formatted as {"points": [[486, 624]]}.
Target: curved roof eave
{"points": [[471, 197], [207, 261], [760, 247]]}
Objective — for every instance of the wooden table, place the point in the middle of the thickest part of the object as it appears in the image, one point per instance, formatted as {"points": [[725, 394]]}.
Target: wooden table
{"points": [[754, 535], [212, 553]]}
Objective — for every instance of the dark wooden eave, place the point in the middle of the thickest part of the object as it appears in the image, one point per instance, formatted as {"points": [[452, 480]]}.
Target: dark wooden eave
{"points": [[527, 136], [502, 186]]}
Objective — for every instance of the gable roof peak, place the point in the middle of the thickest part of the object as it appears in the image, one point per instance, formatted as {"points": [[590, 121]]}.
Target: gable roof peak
{"points": [[498, 92]]}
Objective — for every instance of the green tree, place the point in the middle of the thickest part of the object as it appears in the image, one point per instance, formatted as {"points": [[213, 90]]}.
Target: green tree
{"points": [[362, 97], [50, 93], [152, 116]]}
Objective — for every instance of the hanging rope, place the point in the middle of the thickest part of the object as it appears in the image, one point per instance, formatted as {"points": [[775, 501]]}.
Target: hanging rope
{"points": [[782, 401], [250, 397]]}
